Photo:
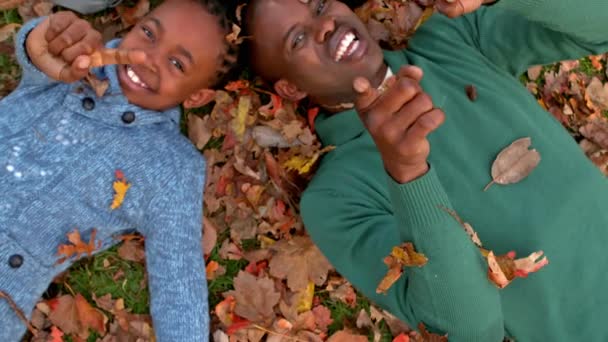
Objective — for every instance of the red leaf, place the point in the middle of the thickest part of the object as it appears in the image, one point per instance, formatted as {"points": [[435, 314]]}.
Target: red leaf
{"points": [[312, 115]]}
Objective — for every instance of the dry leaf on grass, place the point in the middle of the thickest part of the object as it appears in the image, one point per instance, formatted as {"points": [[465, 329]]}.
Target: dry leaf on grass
{"points": [[132, 250], [346, 336], [76, 247], [74, 315], [596, 130], [255, 297], [514, 163], [401, 256], [299, 261]]}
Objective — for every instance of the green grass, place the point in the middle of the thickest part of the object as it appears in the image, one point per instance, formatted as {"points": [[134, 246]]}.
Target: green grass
{"points": [[89, 276]]}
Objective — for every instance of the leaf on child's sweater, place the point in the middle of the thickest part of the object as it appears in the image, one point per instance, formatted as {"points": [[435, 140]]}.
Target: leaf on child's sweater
{"points": [[77, 247], [514, 163], [401, 256], [426, 336], [121, 186]]}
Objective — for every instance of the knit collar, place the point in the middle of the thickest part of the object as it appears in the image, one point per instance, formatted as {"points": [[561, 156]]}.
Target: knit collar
{"points": [[339, 128], [115, 98]]}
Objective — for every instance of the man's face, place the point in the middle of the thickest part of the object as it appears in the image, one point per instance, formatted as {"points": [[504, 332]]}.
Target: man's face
{"points": [[183, 44], [319, 47]]}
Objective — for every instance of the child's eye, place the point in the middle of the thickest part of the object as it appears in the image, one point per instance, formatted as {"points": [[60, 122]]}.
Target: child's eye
{"points": [[177, 64], [297, 41], [147, 32], [320, 7]]}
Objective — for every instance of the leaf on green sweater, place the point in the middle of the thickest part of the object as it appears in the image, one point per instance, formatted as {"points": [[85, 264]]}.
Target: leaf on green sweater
{"points": [[401, 256], [426, 336], [514, 163], [504, 268]]}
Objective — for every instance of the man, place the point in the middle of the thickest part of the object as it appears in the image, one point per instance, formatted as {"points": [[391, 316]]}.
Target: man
{"points": [[387, 179]]}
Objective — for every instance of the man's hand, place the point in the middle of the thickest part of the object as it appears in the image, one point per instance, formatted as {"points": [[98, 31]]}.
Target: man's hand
{"points": [[456, 8], [399, 121]]}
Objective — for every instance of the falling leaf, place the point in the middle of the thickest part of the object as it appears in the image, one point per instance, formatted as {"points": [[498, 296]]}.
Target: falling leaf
{"points": [[77, 247], [299, 261], [514, 163], [504, 268], [121, 186], [401, 256], [7, 31], [255, 297]]}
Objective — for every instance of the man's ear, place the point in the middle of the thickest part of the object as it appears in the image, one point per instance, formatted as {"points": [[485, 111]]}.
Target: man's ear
{"points": [[288, 90], [199, 98]]}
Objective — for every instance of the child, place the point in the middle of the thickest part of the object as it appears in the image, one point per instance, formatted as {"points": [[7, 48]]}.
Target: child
{"points": [[62, 149]]}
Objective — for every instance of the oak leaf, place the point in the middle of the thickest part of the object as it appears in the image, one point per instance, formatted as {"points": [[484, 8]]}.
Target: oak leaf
{"points": [[514, 163], [299, 261], [255, 297]]}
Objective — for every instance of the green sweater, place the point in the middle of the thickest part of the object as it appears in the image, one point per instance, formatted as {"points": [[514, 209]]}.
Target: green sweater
{"points": [[356, 213]]}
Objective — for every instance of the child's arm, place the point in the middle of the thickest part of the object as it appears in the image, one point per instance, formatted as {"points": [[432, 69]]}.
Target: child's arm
{"points": [[176, 268]]}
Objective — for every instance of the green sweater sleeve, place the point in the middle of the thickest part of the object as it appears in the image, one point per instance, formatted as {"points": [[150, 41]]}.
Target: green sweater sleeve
{"points": [[515, 34], [450, 294]]}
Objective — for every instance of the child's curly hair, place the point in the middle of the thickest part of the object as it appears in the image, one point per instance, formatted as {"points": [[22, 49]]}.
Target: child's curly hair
{"points": [[225, 12]]}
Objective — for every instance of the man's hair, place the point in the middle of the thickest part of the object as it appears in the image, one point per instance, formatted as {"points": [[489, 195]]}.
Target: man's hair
{"points": [[225, 13]]}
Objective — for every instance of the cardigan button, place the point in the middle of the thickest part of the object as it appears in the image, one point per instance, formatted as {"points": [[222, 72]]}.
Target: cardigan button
{"points": [[15, 261], [128, 117], [88, 103]]}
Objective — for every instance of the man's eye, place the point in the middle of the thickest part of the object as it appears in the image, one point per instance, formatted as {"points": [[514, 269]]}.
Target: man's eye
{"points": [[297, 41], [147, 32], [177, 64], [320, 7]]}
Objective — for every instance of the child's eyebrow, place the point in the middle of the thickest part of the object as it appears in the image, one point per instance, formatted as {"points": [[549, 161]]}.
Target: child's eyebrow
{"points": [[157, 23], [186, 53]]}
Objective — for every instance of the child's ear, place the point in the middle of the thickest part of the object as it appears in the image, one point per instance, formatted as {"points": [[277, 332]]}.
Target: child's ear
{"points": [[199, 98], [288, 90]]}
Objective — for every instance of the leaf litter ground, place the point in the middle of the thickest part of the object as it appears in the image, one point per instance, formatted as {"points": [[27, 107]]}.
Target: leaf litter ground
{"points": [[261, 152]]}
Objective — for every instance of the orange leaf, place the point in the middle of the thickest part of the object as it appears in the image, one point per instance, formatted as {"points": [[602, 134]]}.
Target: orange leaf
{"points": [[502, 269], [89, 316], [401, 338], [121, 186], [312, 115], [56, 334], [401, 256], [237, 86], [77, 247]]}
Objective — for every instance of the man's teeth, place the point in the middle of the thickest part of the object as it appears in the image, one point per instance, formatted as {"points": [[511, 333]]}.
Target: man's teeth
{"points": [[134, 78], [347, 46]]}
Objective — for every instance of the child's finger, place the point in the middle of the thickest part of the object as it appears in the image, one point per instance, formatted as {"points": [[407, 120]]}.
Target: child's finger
{"points": [[71, 35], [58, 22], [116, 56], [78, 70]]}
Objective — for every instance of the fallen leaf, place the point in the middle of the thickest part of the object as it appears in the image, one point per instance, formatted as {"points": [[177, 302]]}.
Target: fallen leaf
{"points": [[209, 236], [255, 297], [77, 247], [596, 130], [89, 317], [514, 163], [98, 86], [401, 256], [7, 31], [471, 91], [56, 334], [597, 93], [299, 261], [198, 130], [64, 314], [504, 268], [239, 122], [305, 298], [345, 336], [430, 337], [133, 251]]}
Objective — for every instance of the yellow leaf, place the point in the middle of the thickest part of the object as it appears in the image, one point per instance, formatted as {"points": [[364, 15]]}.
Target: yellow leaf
{"points": [[121, 186], [305, 298], [301, 164], [239, 122]]}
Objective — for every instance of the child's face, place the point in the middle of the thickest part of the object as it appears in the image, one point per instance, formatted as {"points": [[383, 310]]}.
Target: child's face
{"points": [[183, 43]]}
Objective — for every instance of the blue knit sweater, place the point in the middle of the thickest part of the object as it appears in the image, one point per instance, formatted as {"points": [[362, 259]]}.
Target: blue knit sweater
{"points": [[60, 147]]}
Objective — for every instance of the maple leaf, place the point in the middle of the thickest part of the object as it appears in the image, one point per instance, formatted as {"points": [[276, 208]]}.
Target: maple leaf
{"points": [[120, 186], [255, 297], [299, 261], [401, 256], [77, 246], [514, 163]]}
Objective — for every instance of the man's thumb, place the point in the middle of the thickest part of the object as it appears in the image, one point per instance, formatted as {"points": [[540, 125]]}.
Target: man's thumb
{"points": [[366, 94]]}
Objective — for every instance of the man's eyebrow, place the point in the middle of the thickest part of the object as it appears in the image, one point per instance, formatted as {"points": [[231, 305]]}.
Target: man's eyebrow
{"points": [[186, 53]]}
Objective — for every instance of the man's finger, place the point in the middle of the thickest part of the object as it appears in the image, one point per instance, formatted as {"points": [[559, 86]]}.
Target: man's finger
{"points": [[456, 8], [411, 71], [116, 56], [408, 114], [404, 90], [366, 94], [425, 124], [86, 46], [58, 22]]}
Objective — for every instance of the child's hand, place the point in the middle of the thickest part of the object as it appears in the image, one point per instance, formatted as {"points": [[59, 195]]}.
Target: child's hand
{"points": [[60, 46]]}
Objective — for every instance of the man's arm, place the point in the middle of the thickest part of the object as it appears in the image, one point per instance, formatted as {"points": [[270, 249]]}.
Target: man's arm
{"points": [[174, 256], [450, 294], [515, 34]]}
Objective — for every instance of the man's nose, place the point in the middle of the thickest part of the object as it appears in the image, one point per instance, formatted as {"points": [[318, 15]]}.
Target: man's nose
{"points": [[325, 27]]}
